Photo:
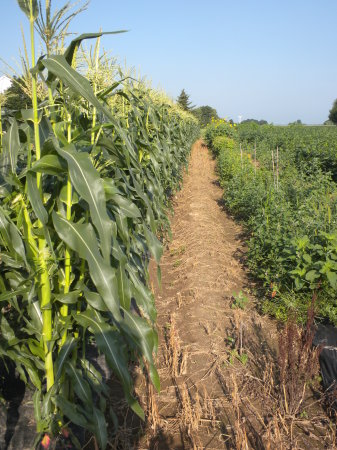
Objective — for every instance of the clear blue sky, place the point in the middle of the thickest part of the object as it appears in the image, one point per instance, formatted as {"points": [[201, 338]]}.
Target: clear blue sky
{"points": [[273, 60]]}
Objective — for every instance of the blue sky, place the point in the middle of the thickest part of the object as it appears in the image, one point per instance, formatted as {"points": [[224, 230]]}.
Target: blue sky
{"points": [[273, 60]]}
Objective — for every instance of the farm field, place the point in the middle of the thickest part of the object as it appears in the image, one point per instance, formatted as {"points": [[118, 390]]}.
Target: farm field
{"points": [[167, 277], [280, 182], [228, 372]]}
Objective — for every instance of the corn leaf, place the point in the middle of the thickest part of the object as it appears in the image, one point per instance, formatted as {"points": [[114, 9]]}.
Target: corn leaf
{"points": [[35, 198], [81, 238], [11, 147], [89, 186], [100, 428]]}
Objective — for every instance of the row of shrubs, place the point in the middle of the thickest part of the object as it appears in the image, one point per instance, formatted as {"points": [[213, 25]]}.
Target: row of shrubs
{"points": [[290, 220]]}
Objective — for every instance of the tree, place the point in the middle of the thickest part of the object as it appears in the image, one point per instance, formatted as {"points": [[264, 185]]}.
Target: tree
{"points": [[297, 122], [16, 97], [333, 113], [184, 101], [258, 122], [204, 114]]}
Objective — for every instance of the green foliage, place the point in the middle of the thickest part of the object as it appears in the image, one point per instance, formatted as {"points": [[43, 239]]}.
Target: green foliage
{"points": [[235, 355], [258, 122], [205, 114], [306, 147], [222, 142], [184, 101], [333, 113], [16, 97], [240, 301], [291, 221], [84, 194], [297, 122], [218, 127]]}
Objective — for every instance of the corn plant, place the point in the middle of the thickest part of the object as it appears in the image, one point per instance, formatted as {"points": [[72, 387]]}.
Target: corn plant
{"points": [[83, 192]]}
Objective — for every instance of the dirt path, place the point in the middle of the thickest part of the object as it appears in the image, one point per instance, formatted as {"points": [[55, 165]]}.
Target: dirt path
{"points": [[201, 271], [215, 361]]}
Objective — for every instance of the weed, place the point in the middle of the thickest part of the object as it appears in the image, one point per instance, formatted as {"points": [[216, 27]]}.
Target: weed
{"points": [[239, 300]]}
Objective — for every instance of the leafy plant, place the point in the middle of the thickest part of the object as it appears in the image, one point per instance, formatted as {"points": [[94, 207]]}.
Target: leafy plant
{"points": [[235, 355], [288, 207], [239, 300], [84, 194]]}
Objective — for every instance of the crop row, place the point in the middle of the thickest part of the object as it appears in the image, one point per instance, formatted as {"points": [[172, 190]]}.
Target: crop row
{"points": [[289, 208], [85, 180]]}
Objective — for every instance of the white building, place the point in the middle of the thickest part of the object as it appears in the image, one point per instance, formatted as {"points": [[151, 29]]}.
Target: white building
{"points": [[5, 83]]}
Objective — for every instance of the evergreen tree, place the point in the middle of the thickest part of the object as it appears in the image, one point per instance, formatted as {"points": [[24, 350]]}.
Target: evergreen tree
{"points": [[333, 113], [184, 101]]}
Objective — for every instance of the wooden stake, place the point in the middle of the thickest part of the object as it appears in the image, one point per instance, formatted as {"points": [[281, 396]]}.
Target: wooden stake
{"points": [[241, 156], [255, 158], [272, 158], [277, 168]]}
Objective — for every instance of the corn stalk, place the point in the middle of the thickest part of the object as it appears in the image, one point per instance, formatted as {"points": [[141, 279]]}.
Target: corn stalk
{"points": [[79, 220]]}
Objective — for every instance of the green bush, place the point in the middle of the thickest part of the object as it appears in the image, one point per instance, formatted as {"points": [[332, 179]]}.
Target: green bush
{"points": [[290, 216]]}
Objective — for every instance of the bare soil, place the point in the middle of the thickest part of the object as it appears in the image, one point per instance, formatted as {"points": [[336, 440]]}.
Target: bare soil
{"points": [[217, 362]]}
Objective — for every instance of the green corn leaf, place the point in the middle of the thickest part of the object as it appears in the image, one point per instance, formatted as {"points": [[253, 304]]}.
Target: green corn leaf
{"points": [[28, 114], [64, 195], [68, 299], [37, 407], [95, 378], [81, 386], [89, 185], [92, 373], [81, 238], [59, 66], [17, 242], [122, 227], [11, 148], [124, 290], [94, 300], [126, 206], [47, 401], [35, 198], [74, 44], [50, 164], [72, 411], [9, 261], [66, 349], [154, 244], [35, 315], [30, 368], [100, 428], [6, 296], [6, 330], [145, 338], [4, 230], [111, 344], [110, 188], [142, 294], [11, 237], [108, 90], [35, 348]]}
